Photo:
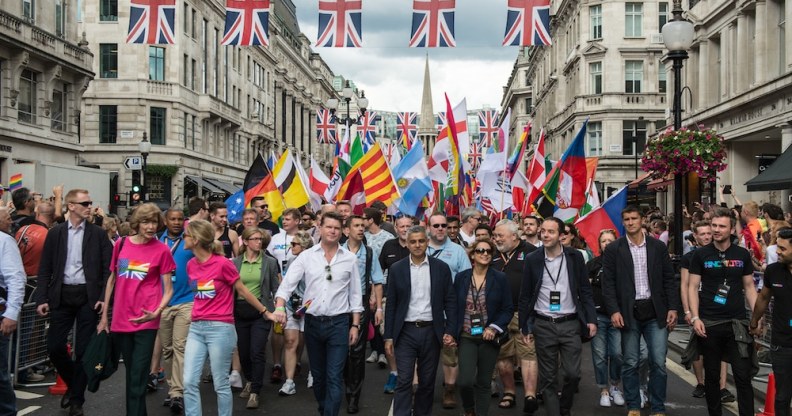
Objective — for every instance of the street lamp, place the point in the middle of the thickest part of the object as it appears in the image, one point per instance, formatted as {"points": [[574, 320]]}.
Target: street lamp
{"points": [[145, 148], [678, 37], [346, 94]]}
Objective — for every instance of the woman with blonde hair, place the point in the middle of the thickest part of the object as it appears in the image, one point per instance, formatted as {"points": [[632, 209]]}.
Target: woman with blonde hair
{"points": [[214, 280]]}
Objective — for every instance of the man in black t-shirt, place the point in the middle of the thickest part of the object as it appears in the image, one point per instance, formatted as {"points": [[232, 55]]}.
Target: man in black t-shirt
{"points": [[723, 270], [778, 284]]}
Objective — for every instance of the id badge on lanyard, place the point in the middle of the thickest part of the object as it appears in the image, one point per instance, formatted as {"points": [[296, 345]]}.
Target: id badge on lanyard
{"points": [[555, 301], [722, 294], [476, 326]]}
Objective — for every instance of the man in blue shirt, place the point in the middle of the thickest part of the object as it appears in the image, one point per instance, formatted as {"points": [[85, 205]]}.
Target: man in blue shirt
{"points": [[12, 280]]}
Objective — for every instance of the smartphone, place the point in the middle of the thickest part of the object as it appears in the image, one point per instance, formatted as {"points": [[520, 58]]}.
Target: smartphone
{"points": [[727, 189]]}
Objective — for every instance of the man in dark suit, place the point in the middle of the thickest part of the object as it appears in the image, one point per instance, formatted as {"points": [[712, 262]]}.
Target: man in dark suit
{"points": [[641, 295], [420, 316], [75, 264], [556, 309]]}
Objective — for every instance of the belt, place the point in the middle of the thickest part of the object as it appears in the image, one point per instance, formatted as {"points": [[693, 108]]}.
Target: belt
{"points": [[559, 319], [325, 318], [419, 324]]}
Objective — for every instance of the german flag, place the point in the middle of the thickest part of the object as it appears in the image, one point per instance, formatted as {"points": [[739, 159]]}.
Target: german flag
{"points": [[375, 177], [260, 182]]}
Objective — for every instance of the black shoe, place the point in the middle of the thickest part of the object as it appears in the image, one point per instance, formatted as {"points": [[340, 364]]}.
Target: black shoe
{"points": [[65, 400], [699, 391], [151, 385], [167, 402], [530, 405], [75, 409], [539, 398], [352, 408], [726, 396], [177, 405]]}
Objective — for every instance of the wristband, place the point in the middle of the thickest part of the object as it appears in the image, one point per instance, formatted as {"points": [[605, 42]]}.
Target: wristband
{"points": [[281, 309], [687, 312], [379, 309], [694, 319]]}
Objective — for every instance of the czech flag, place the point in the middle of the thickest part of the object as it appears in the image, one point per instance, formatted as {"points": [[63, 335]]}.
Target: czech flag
{"points": [[606, 216]]}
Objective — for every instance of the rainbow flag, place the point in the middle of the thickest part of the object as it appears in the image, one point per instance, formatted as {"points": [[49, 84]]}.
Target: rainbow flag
{"points": [[15, 183]]}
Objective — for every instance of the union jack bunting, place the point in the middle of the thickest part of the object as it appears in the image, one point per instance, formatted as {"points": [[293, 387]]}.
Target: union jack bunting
{"points": [[152, 22], [366, 128], [476, 154], [247, 22], [488, 126], [388, 148], [433, 24], [340, 23], [441, 120], [325, 127], [407, 125], [527, 23]]}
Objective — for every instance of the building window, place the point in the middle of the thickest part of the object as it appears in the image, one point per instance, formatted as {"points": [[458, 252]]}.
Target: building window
{"points": [[633, 134], [60, 19], [193, 30], [528, 105], [108, 122], [595, 69], [527, 78], [193, 66], [662, 74], [58, 108], [108, 10], [156, 63], [186, 19], [108, 60], [633, 18], [595, 12], [633, 75], [204, 38], [29, 10], [594, 139], [662, 15], [157, 125], [27, 97], [216, 43], [186, 69], [192, 133], [782, 37]]}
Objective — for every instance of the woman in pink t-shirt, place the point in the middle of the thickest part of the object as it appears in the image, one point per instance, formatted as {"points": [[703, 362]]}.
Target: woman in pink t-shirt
{"points": [[213, 279], [140, 275]]}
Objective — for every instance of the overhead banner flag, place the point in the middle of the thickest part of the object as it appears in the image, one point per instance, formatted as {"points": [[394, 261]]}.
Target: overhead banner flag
{"points": [[527, 23], [152, 22], [407, 126], [247, 23], [325, 127], [433, 24], [488, 126], [340, 23]]}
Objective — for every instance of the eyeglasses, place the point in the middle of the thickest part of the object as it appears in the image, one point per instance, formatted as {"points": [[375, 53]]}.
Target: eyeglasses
{"points": [[255, 238], [84, 203], [439, 225], [329, 274], [487, 251]]}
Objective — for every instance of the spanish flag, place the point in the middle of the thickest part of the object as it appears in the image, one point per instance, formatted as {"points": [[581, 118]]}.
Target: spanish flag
{"points": [[373, 173]]}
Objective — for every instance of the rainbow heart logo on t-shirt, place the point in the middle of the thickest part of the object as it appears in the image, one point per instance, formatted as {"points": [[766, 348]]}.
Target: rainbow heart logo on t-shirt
{"points": [[132, 269], [205, 289]]}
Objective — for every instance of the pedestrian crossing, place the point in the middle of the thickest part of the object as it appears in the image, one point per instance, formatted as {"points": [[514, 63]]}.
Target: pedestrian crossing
{"points": [[21, 397]]}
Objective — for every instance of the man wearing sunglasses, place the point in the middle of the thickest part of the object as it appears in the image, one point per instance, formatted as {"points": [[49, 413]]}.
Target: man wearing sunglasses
{"points": [[75, 264]]}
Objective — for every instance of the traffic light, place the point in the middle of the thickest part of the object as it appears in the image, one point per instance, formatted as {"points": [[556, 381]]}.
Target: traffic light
{"points": [[136, 194]]}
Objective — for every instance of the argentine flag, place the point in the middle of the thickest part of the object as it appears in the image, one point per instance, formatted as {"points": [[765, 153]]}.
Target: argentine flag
{"points": [[412, 178]]}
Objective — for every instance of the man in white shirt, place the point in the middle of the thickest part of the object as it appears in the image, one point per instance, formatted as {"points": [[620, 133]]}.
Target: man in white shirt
{"points": [[471, 218], [12, 279], [335, 297]]}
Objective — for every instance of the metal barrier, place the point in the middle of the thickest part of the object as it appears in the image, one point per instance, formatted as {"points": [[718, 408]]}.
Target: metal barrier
{"points": [[30, 342]]}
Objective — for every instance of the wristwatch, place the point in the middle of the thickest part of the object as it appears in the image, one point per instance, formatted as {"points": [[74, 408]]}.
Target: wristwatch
{"points": [[358, 326]]}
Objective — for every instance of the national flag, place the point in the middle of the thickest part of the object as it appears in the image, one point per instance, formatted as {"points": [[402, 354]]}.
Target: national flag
{"points": [[341, 166], [414, 182], [405, 143], [366, 129], [440, 121], [132, 269], [247, 23], [488, 126], [519, 191], [571, 194], [407, 126], [235, 205], [15, 182], [289, 182], [433, 24], [537, 173], [513, 164], [319, 182], [445, 164], [389, 148], [340, 23], [325, 127], [152, 22], [476, 153], [527, 23], [500, 142], [592, 197], [375, 178], [607, 216], [260, 182]]}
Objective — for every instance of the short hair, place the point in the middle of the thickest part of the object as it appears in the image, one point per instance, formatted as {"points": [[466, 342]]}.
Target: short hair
{"points": [[784, 232], [304, 239], [344, 202], [250, 211], [20, 197], [69, 198], [468, 213], [195, 205], [310, 215], [216, 205], [660, 224], [773, 212], [348, 222], [332, 216], [417, 229], [483, 226], [561, 224], [721, 212], [404, 217], [292, 212], [146, 212], [437, 214], [452, 218], [173, 209], [751, 208], [45, 208], [698, 224], [535, 218], [250, 231], [379, 205], [373, 213], [630, 209], [510, 225]]}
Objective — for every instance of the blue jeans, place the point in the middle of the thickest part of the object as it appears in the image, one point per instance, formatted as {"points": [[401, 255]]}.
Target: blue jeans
{"points": [[217, 340], [606, 353], [657, 344], [7, 397], [327, 340]]}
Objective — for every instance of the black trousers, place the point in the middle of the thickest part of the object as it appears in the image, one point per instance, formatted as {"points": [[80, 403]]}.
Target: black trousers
{"points": [[415, 346], [782, 367], [252, 337], [719, 345], [355, 368], [73, 308], [558, 342]]}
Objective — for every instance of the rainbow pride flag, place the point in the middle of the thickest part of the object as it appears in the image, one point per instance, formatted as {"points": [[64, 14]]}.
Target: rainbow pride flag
{"points": [[15, 183]]}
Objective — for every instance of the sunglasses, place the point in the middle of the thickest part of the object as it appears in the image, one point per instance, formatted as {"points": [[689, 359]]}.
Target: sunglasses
{"points": [[439, 225], [329, 274], [84, 203], [487, 251]]}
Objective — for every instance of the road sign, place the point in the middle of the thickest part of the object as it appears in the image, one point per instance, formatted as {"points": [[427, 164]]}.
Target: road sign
{"points": [[133, 162]]}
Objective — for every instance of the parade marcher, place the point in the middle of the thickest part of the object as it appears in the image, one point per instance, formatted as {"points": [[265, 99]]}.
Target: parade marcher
{"points": [[530, 229], [441, 248], [250, 218], [214, 280], [75, 264], [778, 285], [198, 209], [386, 225], [261, 206], [453, 230], [12, 292], [140, 288], [261, 276], [420, 316], [483, 232], [484, 310], [510, 259], [556, 310], [723, 271], [606, 351], [376, 237], [176, 317], [218, 217], [336, 298], [471, 218], [371, 287], [641, 296]]}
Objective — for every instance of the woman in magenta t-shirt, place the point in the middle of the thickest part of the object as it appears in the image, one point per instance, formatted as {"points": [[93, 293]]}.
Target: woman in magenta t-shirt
{"points": [[213, 279], [140, 275]]}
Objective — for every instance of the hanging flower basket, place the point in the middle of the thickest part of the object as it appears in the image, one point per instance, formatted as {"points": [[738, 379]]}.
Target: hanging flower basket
{"points": [[679, 152]]}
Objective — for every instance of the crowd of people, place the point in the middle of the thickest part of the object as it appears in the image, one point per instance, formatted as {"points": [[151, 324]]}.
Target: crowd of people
{"points": [[493, 302]]}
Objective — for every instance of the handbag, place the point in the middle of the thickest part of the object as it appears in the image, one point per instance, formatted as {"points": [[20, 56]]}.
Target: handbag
{"points": [[644, 310], [501, 338], [245, 311]]}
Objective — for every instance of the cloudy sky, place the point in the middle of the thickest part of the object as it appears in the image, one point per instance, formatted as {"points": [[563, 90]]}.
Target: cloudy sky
{"points": [[392, 73]]}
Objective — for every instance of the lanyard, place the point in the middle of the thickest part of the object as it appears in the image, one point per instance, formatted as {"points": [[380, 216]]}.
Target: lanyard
{"points": [[558, 275], [437, 253], [506, 261], [476, 291]]}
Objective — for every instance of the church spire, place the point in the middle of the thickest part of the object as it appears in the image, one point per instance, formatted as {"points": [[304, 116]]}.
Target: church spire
{"points": [[427, 129]]}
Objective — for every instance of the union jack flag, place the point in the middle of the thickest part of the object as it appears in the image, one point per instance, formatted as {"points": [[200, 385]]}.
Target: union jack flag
{"points": [[407, 125], [247, 22], [152, 22], [527, 23], [441, 120], [476, 153], [488, 126], [388, 149], [367, 126], [433, 24], [325, 127], [340, 23]]}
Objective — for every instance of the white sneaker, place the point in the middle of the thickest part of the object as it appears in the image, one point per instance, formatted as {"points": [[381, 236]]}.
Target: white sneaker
{"points": [[644, 399], [605, 400], [310, 380], [235, 379], [372, 358], [616, 396], [382, 361], [288, 388]]}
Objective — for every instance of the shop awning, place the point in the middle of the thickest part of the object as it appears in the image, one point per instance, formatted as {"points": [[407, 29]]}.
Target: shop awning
{"points": [[225, 186], [776, 177], [660, 182], [199, 181], [638, 182]]}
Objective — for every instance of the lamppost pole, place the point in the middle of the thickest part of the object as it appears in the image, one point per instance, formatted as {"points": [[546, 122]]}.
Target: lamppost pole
{"points": [[145, 147], [346, 94]]}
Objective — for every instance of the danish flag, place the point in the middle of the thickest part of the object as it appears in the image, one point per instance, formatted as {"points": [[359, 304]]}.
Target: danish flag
{"points": [[152, 22], [325, 127], [247, 22], [527, 23], [433, 24], [340, 23], [488, 126], [407, 125]]}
